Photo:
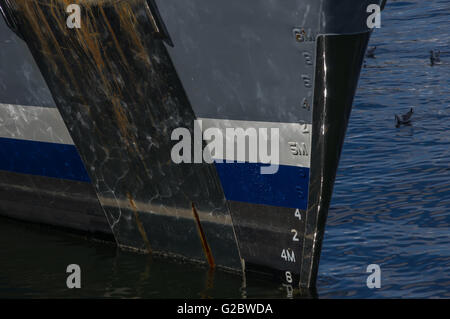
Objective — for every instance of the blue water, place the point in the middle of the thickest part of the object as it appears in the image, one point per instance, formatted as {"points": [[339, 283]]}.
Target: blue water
{"points": [[391, 202]]}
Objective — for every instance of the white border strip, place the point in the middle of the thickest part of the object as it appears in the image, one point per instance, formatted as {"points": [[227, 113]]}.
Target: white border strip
{"points": [[33, 123], [294, 138]]}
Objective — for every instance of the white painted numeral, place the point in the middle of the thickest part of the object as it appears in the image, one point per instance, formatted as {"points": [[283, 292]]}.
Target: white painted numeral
{"points": [[308, 59], [298, 149], [289, 277], [305, 129], [289, 290], [288, 255], [297, 214], [295, 238], [306, 80], [305, 104]]}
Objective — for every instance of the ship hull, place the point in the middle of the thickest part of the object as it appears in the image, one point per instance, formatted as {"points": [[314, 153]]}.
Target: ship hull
{"points": [[116, 89]]}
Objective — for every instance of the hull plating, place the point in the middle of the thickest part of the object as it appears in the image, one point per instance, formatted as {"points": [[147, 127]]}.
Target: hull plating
{"points": [[137, 70]]}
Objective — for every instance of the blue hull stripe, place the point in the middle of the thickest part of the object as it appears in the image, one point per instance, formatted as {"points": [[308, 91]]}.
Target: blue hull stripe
{"points": [[42, 158], [243, 182]]}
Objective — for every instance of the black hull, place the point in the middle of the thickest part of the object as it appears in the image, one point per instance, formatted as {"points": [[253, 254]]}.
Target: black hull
{"points": [[121, 89]]}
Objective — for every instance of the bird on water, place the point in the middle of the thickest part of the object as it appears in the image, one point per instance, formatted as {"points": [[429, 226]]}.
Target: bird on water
{"points": [[371, 52], [435, 57], [404, 119]]}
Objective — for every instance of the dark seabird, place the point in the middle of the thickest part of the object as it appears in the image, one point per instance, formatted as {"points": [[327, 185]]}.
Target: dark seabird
{"points": [[404, 119], [435, 57], [371, 52]]}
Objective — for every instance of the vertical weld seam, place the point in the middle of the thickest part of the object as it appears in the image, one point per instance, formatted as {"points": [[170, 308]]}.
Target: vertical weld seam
{"points": [[201, 233]]}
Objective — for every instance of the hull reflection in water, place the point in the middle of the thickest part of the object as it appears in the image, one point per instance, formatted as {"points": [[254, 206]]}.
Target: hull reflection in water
{"points": [[89, 114]]}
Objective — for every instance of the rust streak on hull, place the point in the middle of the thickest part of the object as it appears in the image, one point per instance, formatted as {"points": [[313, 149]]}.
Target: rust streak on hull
{"points": [[206, 248], [139, 223]]}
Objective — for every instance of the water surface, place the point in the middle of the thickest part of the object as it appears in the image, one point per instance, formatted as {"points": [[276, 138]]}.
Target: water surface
{"points": [[391, 202]]}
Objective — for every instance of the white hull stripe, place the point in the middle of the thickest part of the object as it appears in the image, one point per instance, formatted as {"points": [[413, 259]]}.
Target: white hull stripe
{"points": [[43, 124], [33, 123], [294, 140]]}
